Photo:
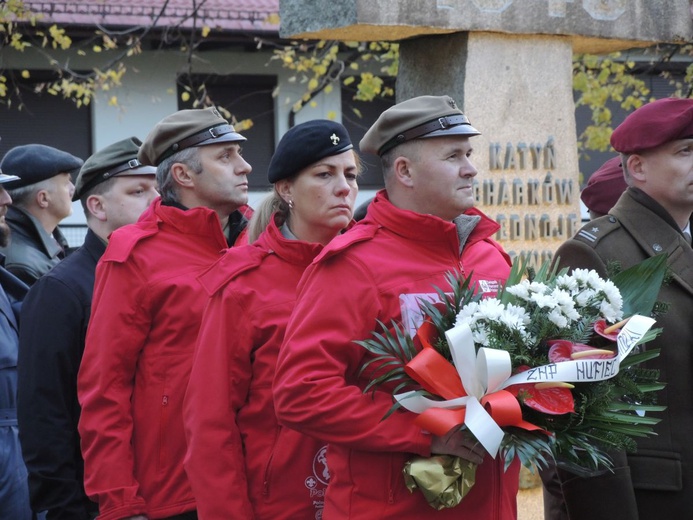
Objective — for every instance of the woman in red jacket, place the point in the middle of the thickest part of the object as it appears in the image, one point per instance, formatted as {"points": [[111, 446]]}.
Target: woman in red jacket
{"points": [[240, 462]]}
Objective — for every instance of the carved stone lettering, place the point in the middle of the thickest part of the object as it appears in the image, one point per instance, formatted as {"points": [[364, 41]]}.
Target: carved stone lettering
{"points": [[534, 256], [547, 189], [605, 9], [597, 9], [564, 191], [533, 191], [518, 192], [522, 155], [492, 6], [494, 157], [550, 155], [515, 227], [503, 193], [509, 157]]}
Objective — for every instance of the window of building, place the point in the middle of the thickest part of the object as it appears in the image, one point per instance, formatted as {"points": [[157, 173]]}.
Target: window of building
{"points": [[44, 119]]}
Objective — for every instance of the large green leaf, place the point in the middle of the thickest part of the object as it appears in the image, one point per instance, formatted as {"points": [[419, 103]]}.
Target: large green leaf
{"points": [[639, 285]]}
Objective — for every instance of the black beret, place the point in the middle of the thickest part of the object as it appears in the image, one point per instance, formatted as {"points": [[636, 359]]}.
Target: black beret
{"points": [[118, 159], [306, 144], [34, 163], [653, 125], [185, 129], [416, 118]]}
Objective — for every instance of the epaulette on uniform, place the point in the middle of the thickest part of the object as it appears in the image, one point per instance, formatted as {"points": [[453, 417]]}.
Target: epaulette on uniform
{"points": [[596, 230], [124, 240], [234, 262], [359, 233]]}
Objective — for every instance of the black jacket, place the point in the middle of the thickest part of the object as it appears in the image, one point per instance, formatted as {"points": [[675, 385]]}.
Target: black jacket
{"points": [[32, 251], [54, 317], [14, 496]]}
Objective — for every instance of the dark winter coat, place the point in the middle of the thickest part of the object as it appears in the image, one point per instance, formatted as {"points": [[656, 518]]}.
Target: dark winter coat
{"points": [[55, 316]]}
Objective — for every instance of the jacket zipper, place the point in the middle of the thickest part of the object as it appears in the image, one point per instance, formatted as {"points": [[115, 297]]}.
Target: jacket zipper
{"points": [[268, 466]]}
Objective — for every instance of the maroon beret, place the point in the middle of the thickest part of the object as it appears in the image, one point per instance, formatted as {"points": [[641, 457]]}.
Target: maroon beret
{"points": [[654, 124], [604, 187]]}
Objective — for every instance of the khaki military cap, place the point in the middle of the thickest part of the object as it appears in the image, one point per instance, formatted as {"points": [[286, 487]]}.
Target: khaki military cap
{"points": [[118, 159], [185, 129], [416, 118]]}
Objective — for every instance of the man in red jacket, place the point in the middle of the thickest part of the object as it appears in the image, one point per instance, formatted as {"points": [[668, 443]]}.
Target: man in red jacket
{"points": [[422, 226], [145, 318]]}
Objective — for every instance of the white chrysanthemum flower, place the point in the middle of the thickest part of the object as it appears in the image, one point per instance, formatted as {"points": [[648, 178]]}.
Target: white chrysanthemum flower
{"points": [[491, 309], [466, 313], [610, 312], [583, 298], [580, 276], [512, 322], [544, 301], [521, 290], [537, 287], [568, 283], [612, 294], [556, 317], [480, 337], [565, 303], [593, 280], [519, 312]]}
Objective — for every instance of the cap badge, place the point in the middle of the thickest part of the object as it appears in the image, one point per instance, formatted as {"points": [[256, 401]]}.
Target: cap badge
{"points": [[335, 139], [452, 103]]}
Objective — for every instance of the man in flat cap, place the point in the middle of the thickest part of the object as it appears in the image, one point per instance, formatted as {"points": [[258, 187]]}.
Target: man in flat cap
{"points": [[146, 314], [42, 197], [114, 189], [653, 216], [422, 226], [14, 492]]}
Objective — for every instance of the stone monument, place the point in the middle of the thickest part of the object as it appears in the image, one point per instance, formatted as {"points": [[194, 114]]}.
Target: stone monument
{"points": [[508, 64]]}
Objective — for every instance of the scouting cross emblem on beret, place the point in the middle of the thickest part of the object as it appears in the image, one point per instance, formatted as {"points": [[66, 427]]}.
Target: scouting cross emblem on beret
{"points": [[335, 139]]}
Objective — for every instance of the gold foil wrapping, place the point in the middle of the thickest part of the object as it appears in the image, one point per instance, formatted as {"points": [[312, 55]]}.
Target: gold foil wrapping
{"points": [[443, 479]]}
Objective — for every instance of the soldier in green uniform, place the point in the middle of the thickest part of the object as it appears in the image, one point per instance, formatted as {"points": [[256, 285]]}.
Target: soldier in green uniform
{"points": [[652, 216]]}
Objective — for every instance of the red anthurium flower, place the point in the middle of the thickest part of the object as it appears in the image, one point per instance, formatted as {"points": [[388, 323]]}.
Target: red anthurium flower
{"points": [[564, 350], [599, 327], [552, 401]]}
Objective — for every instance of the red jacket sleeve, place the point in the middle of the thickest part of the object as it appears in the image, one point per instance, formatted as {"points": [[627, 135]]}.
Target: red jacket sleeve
{"points": [[118, 327], [218, 387], [316, 390]]}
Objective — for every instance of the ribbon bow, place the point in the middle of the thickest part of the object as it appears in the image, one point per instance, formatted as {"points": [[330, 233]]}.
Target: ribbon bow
{"points": [[471, 389]]}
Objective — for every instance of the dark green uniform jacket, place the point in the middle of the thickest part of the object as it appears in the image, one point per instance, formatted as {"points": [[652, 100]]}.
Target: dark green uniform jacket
{"points": [[661, 472]]}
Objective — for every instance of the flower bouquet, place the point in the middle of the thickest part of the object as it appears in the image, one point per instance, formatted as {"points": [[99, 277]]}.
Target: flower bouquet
{"points": [[547, 368]]}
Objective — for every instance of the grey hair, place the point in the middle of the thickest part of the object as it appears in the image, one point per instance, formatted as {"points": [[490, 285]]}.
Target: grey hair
{"points": [[22, 196], [167, 184]]}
